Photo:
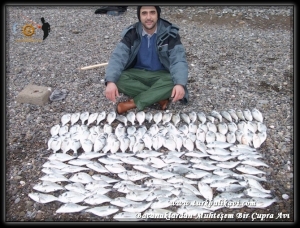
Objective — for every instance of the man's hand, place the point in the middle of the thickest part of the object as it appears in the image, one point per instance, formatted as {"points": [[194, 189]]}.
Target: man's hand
{"points": [[111, 91], [177, 93]]}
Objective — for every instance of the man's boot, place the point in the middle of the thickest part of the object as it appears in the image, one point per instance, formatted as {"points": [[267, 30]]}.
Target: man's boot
{"points": [[124, 106], [163, 104]]}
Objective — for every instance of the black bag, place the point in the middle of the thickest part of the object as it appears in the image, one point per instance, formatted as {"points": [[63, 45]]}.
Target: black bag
{"points": [[105, 9]]}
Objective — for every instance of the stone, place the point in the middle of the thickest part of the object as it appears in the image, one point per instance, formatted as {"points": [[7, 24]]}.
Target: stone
{"points": [[33, 94]]}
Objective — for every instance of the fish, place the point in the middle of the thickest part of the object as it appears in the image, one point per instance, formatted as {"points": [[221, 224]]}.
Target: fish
{"points": [[254, 192], [101, 116], [111, 116], [105, 178], [42, 197], [222, 128], [185, 117], [231, 137], [47, 186], [257, 115], [220, 137], [103, 211], [210, 137], [247, 114], [157, 117], [232, 127], [226, 115], [240, 114], [169, 144], [87, 145], [115, 168], [76, 187], [65, 119], [212, 127], [131, 117], [166, 118], [65, 145], [193, 116], [92, 118], [175, 119], [55, 144], [70, 208], [97, 167], [60, 157], [233, 114], [71, 197], [148, 117], [140, 117], [249, 169], [81, 177], [54, 177], [54, 130], [84, 117], [97, 199], [252, 183], [188, 144], [205, 190], [73, 168], [217, 115], [201, 117], [253, 162]]}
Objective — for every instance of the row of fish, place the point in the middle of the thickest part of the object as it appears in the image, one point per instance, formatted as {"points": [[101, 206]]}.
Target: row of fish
{"points": [[182, 136], [140, 117]]}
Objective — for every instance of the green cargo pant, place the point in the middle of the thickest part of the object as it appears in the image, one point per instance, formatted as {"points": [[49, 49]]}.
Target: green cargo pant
{"points": [[145, 87]]}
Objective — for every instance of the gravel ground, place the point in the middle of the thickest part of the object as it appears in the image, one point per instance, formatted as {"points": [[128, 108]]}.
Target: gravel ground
{"points": [[239, 57]]}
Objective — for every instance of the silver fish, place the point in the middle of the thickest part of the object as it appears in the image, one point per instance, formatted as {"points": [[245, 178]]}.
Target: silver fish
{"points": [[185, 117], [153, 129], [122, 119], [120, 130], [196, 174], [252, 183], [148, 153], [132, 175], [47, 186], [232, 127], [132, 161], [76, 187], [230, 137], [97, 199], [92, 118], [138, 146], [211, 127], [140, 117], [75, 117], [217, 115], [157, 117], [157, 142], [249, 169], [60, 157], [222, 128], [131, 130], [70, 208], [65, 145], [193, 116], [84, 116], [222, 183], [65, 119], [54, 130], [166, 118], [50, 141], [115, 168], [90, 155], [257, 115], [254, 192], [175, 119], [205, 190], [240, 114], [131, 117], [169, 144], [54, 177], [161, 174], [111, 116], [97, 167], [105, 178], [247, 114], [42, 198], [147, 138], [101, 116], [71, 197], [103, 211], [226, 115], [137, 195], [55, 164], [121, 201], [210, 137], [51, 170], [261, 127], [87, 145], [124, 143], [188, 144], [228, 164], [233, 114], [73, 168], [148, 116], [81, 177], [201, 117], [55, 144]]}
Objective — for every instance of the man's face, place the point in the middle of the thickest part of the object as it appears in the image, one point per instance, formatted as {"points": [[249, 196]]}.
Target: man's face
{"points": [[149, 17]]}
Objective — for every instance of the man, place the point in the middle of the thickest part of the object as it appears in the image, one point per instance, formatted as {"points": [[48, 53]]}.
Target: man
{"points": [[149, 63], [45, 28]]}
